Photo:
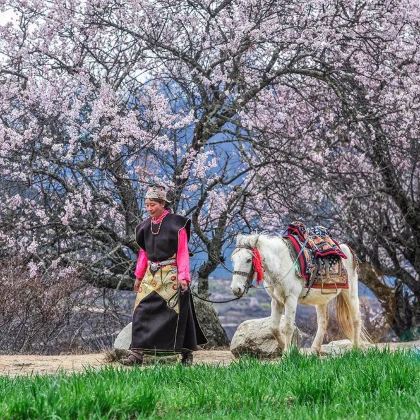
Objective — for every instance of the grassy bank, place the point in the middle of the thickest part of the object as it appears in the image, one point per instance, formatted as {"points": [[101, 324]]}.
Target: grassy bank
{"points": [[377, 384]]}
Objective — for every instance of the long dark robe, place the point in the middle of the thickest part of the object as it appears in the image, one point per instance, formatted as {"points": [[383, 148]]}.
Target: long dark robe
{"points": [[164, 318]]}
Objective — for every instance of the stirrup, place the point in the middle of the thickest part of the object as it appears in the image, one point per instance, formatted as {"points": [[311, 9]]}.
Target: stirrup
{"points": [[132, 359]]}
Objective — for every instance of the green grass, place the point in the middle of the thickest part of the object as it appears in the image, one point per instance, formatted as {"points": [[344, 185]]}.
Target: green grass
{"points": [[372, 385]]}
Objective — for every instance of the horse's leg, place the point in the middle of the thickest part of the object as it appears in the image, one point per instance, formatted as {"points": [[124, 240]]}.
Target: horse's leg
{"points": [[354, 306], [322, 320], [276, 313], [289, 320]]}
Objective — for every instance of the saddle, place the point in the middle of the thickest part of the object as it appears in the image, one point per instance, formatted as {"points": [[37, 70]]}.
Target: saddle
{"points": [[319, 257]]}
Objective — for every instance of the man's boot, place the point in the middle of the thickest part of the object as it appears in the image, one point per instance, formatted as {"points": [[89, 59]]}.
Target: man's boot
{"points": [[134, 358], [187, 358]]}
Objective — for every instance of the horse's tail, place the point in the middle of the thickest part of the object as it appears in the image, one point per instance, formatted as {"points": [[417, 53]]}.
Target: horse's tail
{"points": [[355, 259], [343, 310], [345, 321]]}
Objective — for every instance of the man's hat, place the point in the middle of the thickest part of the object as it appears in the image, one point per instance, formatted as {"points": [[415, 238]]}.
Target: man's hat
{"points": [[157, 192]]}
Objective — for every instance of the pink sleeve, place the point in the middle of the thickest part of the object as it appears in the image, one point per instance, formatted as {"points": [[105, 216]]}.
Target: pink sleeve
{"points": [[141, 265], [183, 256]]}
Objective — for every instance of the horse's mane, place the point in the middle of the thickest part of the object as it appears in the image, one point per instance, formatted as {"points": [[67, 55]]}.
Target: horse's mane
{"points": [[252, 239]]}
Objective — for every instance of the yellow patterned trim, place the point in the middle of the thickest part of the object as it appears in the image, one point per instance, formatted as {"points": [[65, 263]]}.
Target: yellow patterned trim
{"points": [[164, 282]]}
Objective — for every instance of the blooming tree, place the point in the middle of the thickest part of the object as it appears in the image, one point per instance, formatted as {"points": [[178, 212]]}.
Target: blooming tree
{"points": [[99, 99], [224, 101], [348, 132]]}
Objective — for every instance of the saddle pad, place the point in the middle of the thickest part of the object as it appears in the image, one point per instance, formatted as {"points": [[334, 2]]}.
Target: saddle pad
{"points": [[331, 274], [317, 252]]}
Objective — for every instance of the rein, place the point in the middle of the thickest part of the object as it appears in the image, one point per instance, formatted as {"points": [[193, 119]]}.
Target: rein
{"points": [[173, 301], [243, 273], [216, 301]]}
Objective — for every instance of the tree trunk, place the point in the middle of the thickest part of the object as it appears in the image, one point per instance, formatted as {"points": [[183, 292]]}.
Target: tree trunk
{"points": [[210, 324], [203, 287], [207, 317], [401, 310], [407, 314]]}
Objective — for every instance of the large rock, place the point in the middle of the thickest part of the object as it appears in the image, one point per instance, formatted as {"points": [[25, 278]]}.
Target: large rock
{"points": [[123, 340], [254, 337]]}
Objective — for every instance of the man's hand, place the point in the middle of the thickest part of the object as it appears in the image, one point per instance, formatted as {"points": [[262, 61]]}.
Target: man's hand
{"points": [[137, 285], [183, 284]]}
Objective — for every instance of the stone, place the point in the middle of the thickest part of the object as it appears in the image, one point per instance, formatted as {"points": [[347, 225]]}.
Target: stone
{"points": [[336, 347], [341, 346], [254, 337], [123, 340]]}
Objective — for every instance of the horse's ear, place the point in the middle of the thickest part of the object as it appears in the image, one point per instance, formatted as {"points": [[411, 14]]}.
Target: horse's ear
{"points": [[239, 238], [257, 238]]}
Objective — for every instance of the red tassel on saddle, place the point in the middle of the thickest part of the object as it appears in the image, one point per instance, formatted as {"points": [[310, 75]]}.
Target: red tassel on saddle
{"points": [[257, 264]]}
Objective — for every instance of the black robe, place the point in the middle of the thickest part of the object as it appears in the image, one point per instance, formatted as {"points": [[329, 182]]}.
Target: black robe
{"points": [[164, 318]]}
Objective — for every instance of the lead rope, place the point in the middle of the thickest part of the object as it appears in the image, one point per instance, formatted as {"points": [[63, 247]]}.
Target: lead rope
{"points": [[228, 300], [178, 292], [217, 301], [169, 302]]}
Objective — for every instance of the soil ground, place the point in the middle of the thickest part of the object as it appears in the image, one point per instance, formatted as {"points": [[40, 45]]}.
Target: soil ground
{"points": [[13, 365]]}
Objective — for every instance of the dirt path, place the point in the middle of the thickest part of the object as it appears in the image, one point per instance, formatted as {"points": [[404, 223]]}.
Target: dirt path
{"points": [[13, 365], [20, 364]]}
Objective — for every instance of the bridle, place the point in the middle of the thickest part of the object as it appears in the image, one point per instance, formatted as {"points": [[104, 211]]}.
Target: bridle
{"points": [[249, 276]]}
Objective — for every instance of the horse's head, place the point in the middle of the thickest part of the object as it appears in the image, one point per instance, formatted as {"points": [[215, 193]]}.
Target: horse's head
{"points": [[243, 267]]}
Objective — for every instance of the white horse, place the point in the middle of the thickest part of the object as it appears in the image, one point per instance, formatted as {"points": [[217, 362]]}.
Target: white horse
{"points": [[287, 289]]}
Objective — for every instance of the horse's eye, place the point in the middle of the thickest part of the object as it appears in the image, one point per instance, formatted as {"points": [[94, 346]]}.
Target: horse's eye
{"points": [[248, 260]]}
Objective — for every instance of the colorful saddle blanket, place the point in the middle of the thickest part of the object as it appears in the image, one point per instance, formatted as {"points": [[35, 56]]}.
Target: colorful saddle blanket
{"points": [[319, 256]]}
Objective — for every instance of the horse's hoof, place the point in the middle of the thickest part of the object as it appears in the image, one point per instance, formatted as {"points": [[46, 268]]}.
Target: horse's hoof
{"points": [[316, 352]]}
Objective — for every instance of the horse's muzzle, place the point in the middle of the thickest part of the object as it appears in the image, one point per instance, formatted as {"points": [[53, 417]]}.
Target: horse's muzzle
{"points": [[237, 291]]}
